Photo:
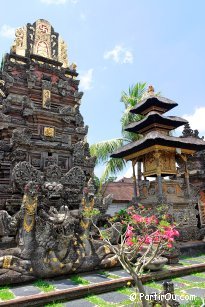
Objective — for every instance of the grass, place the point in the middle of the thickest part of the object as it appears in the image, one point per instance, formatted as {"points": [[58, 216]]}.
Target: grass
{"points": [[44, 285], [191, 284], [99, 302], [79, 280], [109, 275], [154, 285], [6, 294], [197, 303], [192, 257], [125, 290], [94, 299], [201, 274], [53, 304]]}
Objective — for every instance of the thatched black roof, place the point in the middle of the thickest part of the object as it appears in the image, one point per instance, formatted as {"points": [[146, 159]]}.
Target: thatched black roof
{"points": [[154, 101], [156, 118], [157, 138]]}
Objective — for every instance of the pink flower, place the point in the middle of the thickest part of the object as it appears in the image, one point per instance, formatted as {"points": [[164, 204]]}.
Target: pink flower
{"points": [[129, 232], [148, 240], [151, 220], [138, 218], [176, 233], [129, 241]]}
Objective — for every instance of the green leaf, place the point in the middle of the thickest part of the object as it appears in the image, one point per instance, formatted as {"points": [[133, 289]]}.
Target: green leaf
{"points": [[104, 149]]}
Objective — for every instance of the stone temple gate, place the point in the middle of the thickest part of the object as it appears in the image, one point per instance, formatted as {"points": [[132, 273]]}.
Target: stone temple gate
{"points": [[45, 163]]}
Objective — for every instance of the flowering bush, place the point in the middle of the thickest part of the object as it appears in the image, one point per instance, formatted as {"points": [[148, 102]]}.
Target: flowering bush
{"points": [[151, 229], [146, 235]]}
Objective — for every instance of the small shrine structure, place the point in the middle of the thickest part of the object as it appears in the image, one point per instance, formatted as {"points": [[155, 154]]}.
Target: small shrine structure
{"points": [[158, 150]]}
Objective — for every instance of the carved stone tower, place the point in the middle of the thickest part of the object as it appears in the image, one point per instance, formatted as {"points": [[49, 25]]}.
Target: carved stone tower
{"points": [[39, 110]]}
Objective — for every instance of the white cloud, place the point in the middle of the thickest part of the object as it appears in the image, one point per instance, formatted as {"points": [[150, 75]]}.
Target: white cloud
{"points": [[57, 2], [7, 31], [119, 54], [86, 80], [197, 119], [83, 16]]}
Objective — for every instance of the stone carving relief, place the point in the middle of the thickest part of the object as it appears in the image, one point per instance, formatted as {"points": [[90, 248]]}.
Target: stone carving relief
{"points": [[62, 53], [201, 204], [42, 42], [2, 90], [46, 99], [23, 173], [27, 106], [21, 136], [18, 155], [31, 78], [78, 118], [20, 43]]}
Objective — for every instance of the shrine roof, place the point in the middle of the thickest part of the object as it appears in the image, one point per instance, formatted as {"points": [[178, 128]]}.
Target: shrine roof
{"points": [[154, 118], [122, 190], [153, 102], [158, 138]]}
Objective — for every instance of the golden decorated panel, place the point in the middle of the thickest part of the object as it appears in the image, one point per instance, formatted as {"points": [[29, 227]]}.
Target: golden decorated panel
{"points": [[138, 154], [48, 131], [162, 162]]}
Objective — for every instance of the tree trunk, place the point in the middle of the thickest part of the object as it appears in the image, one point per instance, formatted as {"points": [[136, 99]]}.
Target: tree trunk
{"points": [[137, 281], [141, 289]]}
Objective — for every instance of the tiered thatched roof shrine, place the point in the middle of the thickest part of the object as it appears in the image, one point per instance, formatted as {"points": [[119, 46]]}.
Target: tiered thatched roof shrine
{"points": [[158, 150]]}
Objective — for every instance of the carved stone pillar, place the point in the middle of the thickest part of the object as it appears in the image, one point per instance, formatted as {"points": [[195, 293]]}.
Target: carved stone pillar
{"points": [[159, 177], [134, 179], [186, 176]]}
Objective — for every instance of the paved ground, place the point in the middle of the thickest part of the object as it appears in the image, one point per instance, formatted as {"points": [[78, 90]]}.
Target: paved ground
{"points": [[187, 285]]}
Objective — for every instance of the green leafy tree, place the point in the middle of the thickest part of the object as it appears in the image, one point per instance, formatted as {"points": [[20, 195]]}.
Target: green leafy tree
{"points": [[2, 63], [96, 182], [104, 149]]}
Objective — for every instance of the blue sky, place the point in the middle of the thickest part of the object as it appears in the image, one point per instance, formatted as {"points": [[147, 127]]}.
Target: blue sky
{"points": [[118, 43]]}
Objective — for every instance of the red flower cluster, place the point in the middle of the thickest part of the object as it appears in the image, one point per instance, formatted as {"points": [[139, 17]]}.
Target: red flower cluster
{"points": [[147, 230], [147, 220]]}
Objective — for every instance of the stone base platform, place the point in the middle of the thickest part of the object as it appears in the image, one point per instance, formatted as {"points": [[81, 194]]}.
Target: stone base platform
{"points": [[98, 283], [192, 248]]}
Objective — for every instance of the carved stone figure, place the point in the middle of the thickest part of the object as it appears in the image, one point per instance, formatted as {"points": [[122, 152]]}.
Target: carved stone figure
{"points": [[52, 241]]}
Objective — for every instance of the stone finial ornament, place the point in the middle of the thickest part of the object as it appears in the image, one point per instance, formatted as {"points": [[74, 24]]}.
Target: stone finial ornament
{"points": [[40, 39]]}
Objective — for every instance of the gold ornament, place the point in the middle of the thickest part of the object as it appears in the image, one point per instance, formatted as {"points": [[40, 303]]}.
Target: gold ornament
{"points": [[30, 205], [7, 262], [48, 131]]}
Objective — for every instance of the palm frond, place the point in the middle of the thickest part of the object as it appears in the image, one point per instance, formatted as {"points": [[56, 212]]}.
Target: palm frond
{"points": [[103, 150], [128, 118], [112, 167], [134, 94]]}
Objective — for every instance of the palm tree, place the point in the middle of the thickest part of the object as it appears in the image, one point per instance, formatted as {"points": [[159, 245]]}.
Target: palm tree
{"points": [[104, 149]]}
